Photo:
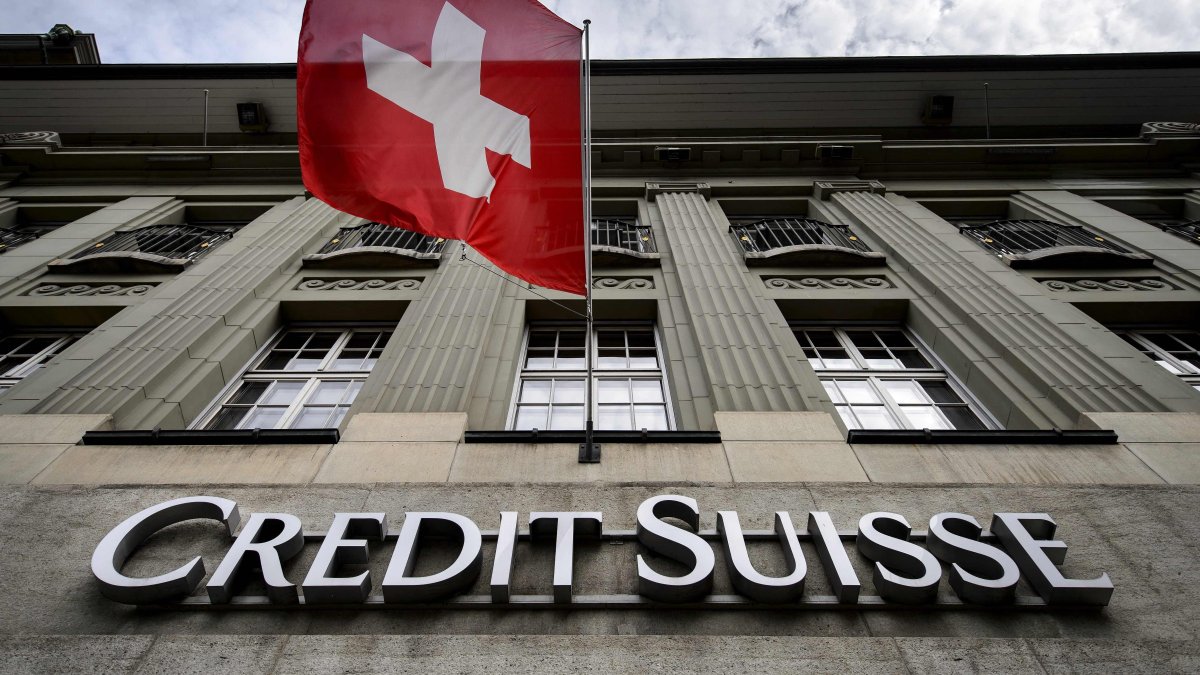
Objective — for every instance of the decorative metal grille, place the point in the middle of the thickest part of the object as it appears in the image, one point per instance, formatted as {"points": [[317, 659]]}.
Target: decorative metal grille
{"points": [[386, 236], [10, 238], [765, 235], [623, 233], [177, 242], [1016, 237], [1188, 229]]}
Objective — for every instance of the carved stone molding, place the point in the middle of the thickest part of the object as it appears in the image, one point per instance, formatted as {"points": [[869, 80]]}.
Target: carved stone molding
{"points": [[359, 285], [655, 189], [1152, 284], [108, 290], [1170, 128], [50, 138], [623, 283], [807, 283], [824, 189]]}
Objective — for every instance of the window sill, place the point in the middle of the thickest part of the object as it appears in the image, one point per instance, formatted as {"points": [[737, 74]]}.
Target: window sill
{"points": [[984, 436], [212, 437], [644, 437]]}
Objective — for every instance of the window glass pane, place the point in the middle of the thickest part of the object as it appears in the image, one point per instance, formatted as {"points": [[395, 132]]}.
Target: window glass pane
{"points": [[611, 359], [570, 359], [835, 359], [923, 417], [894, 338], [542, 339], [822, 338], [863, 339], [338, 414], [293, 340], [858, 391], [835, 394], [879, 359], [38, 344], [911, 358], [249, 392], [531, 417], [848, 417], [568, 391], [647, 391], [652, 417], [328, 393], [263, 418], [283, 393], [905, 392], [641, 338], [643, 358], [12, 344], [874, 417], [362, 340], [612, 339], [312, 418], [612, 391], [566, 417], [540, 361], [535, 391], [307, 360], [940, 392], [570, 338], [614, 417], [350, 359], [323, 341], [276, 360], [228, 418], [352, 393], [961, 417], [8, 365]]}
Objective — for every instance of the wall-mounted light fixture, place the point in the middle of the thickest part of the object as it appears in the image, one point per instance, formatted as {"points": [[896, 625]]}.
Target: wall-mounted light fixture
{"points": [[252, 117]]}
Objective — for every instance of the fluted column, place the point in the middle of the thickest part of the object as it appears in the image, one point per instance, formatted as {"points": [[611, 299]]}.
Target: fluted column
{"points": [[1002, 313], [746, 351]]}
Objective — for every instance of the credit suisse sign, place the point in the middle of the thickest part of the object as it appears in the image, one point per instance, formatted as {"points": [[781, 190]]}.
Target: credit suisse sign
{"points": [[984, 569]]}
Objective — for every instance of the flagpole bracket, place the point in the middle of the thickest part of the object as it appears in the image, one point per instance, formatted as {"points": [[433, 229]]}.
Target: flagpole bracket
{"points": [[589, 450]]}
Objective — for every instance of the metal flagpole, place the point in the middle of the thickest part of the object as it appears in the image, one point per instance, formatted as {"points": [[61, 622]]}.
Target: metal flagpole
{"points": [[589, 452]]}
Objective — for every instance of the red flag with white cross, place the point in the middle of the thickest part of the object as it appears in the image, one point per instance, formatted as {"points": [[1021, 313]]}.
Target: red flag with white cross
{"points": [[456, 119]]}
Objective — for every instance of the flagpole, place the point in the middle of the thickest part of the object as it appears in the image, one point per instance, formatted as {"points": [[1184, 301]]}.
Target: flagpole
{"points": [[589, 452]]}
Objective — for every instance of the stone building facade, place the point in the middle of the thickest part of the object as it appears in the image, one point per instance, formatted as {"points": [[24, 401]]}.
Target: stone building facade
{"points": [[834, 285]]}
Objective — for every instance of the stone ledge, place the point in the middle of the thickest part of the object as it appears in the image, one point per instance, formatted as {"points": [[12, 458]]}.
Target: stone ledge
{"points": [[1146, 427], [778, 426], [406, 427], [50, 428]]}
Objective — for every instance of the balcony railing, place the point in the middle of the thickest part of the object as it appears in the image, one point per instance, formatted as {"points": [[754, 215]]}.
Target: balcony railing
{"points": [[10, 238], [802, 241], [156, 248], [1188, 229], [622, 241], [1039, 243], [377, 245]]}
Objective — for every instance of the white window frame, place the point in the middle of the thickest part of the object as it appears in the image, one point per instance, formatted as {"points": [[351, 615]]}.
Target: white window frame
{"points": [[62, 340], [1184, 370], [312, 378], [658, 374], [876, 377]]}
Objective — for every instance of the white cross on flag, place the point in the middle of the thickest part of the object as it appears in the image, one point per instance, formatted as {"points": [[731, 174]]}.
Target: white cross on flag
{"points": [[455, 119]]}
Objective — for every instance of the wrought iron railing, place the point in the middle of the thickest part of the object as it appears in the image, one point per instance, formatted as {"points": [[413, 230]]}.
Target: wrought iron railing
{"points": [[11, 238], [1188, 229], [1017, 237], [765, 235], [623, 233], [378, 234], [176, 242]]}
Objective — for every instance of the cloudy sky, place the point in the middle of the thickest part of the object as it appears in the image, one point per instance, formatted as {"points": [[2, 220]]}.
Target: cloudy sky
{"points": [[264, 31]]}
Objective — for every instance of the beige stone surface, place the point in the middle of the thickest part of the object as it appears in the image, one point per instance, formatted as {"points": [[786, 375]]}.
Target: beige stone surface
{"points": [[1177, 463], [164, 464], [1034, 464], [775, 462], [354, 462], [559, 462], [19, 463], [1147, 427], [49, 428], [406, 427], [778, 426]]}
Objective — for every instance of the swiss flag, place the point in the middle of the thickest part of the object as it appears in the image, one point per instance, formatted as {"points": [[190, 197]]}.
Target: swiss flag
{"points": [[455, 119]]}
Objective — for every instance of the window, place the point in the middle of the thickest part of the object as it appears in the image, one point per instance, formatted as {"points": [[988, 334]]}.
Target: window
{"points": [[1187, 229], [23, 354], [306, 379], [1176, 350], [623, 233], [629, 388], [1014, 237], [765, 235], [879, 378]]}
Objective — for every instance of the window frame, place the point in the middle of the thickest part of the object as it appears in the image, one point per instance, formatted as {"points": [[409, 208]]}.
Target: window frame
{"points": [[1138, 333], [312, 378], [64, 339], [875, 377], [523, 374]]}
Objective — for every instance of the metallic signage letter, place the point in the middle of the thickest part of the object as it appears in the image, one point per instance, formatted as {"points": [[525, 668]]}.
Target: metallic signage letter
{"points": [[883, 537], [506, 553], [677, 544], [319, 586], [954, 538], [1027, 538], [842, 578], [745, 578], [116, 547], [400, 586], [286, 541], [561, 525]]}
